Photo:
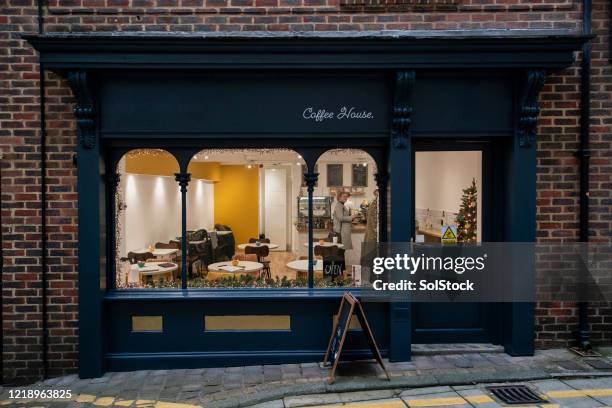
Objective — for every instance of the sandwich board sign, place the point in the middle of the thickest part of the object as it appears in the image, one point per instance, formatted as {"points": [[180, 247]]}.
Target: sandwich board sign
{"points": [[449, 234], [349, 305]]}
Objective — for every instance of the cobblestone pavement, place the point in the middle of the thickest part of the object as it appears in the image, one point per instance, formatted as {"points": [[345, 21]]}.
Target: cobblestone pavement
{"points": [[274, 385]]}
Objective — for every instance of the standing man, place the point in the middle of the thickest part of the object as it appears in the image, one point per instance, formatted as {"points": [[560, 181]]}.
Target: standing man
{"points": [[343, 220]]}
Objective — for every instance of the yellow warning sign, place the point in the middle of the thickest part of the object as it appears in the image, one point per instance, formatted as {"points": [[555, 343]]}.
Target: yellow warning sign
{"points": [[449, 234]]}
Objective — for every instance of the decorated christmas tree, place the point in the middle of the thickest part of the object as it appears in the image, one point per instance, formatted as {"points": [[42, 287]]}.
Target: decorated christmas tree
{"points": [[466, 218]]}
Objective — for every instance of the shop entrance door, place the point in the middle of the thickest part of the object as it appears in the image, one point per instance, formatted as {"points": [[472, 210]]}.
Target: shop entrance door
{"points": [[454, 185]]}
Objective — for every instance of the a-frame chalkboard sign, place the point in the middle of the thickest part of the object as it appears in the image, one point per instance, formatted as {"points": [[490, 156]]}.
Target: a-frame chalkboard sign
{"points": [[349, 305]]}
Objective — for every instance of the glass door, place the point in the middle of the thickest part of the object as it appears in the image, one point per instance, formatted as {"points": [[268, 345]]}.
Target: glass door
{"points": [[452, 187]]}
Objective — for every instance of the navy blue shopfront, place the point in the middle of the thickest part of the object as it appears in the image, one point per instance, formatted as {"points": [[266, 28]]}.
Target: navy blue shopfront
{"points": [[407, 92]]}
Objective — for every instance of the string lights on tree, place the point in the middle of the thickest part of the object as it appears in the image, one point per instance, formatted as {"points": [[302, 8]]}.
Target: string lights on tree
{"points": [[466, 218]]}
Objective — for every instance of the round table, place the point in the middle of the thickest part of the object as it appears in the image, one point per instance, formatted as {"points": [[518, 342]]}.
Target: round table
{"points": [[326, 244], [215, 270], [270, 246], [158, 252], [152, 269], [301, 267]]}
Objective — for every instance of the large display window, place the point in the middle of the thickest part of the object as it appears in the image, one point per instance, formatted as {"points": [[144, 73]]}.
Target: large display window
{"points": [[246, 219]]}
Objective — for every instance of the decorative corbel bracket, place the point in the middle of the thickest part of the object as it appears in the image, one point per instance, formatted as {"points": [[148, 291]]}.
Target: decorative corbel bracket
{"points": [[84, 109], [529, 108], [402, 109]]}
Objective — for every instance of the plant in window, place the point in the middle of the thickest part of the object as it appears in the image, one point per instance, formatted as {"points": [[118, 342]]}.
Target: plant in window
{"points": [[466, 218]]}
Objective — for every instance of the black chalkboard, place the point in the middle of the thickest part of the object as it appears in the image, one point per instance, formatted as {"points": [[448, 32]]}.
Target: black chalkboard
{"points": [[349, 305], [341, 327], [333, 267]]}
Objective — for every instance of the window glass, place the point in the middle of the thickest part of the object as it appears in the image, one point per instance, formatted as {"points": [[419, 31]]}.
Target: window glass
{"points": [[448, 191], [345, 216], [147, 221], [250, 209]]}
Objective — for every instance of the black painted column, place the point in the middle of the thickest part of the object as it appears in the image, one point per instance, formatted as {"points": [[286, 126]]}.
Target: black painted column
{"points": [[311, 181], [400, 176], [520, 223], [183, 179], [382, 180], [91, 187]]}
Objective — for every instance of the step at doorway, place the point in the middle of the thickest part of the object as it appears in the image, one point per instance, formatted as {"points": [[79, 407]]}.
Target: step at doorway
{"points": [[455, 348]]}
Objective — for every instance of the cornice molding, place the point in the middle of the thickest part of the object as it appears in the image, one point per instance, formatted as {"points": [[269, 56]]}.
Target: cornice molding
{"points": [[550, 49]]}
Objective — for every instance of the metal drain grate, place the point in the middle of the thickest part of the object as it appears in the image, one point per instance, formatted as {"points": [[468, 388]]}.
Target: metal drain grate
{"points": [[515, 394]]}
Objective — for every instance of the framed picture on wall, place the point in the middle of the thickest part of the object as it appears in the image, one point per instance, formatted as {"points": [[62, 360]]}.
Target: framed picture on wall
{"points": [[334, 175], [359, 175]]}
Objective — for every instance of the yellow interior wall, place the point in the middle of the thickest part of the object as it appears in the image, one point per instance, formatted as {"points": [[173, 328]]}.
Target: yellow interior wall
{"points": [[159, 165], [237, 201], [166, 165], [205, 171]]}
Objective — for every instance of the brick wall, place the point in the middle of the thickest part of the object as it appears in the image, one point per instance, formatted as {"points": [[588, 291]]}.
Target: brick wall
{"points": [[19, 123], [558, 177]]}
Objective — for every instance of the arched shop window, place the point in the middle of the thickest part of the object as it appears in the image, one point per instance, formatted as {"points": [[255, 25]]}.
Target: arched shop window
{"points": [[246, 212], [348, 188], [147, 221]]}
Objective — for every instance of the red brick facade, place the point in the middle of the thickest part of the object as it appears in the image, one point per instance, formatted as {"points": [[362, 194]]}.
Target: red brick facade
{"points": [[558, 170]]}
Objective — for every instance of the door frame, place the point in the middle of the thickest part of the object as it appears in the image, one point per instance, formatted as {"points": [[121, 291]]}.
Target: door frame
{"points": [[492, 196]]}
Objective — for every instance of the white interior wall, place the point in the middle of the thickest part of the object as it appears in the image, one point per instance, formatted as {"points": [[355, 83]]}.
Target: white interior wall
{"points": [[153, 212], [441, 177], [275, 206], [200, 205]]}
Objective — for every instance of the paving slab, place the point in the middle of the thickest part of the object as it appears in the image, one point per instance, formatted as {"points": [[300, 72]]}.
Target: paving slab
{"points": [[366, 395], [313, 399], [440, 399], [271, 404]]}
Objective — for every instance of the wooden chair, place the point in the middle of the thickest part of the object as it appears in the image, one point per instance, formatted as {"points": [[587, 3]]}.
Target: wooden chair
{"points": [[245, 257], [139, 257], [194, 254], [262, 240], [170, 245], [325, 251], [261, 252]]}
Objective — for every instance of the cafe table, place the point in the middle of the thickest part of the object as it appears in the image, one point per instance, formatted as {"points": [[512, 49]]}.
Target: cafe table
{"points": [[158, 252], [301, 267], [178, 241], [252, 244], [216, 271], [325, 244], [152, 269]]}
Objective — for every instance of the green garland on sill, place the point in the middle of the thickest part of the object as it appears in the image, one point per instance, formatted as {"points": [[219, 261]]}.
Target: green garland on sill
{"points": [[244, 281]]}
